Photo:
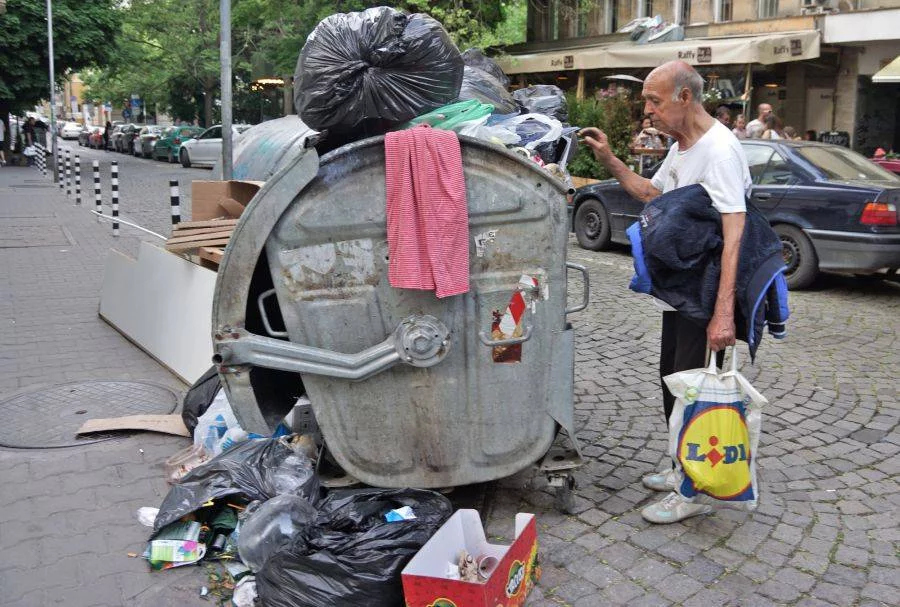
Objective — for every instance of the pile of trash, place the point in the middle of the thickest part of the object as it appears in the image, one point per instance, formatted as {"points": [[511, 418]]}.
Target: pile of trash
{"points": [[255, 505], [380, 70]]}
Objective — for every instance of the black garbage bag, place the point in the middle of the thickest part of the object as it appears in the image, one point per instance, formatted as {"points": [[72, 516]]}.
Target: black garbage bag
{"points": [[199, 397], [480, 85], [351, 556], [376, 65], [473, 57], [256, 469], [546, 99]]}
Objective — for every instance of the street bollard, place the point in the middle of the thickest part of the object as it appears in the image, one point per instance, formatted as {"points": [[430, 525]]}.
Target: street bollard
{"points": [[37, 157], [115, 197], [97, 202], [57, 164], [42, 160], [77, 180], [68, 174], [174, 198]]}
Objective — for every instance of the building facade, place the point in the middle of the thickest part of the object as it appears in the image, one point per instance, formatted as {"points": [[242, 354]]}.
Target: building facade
{"points": [[812, 60]]}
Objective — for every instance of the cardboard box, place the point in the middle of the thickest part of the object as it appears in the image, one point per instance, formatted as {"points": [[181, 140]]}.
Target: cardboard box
{"points": [[424, 579], [217, 199]]}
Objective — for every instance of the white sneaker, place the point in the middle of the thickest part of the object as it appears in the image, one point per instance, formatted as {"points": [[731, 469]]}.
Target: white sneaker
{"points": [[673, 508], [661, 481]]}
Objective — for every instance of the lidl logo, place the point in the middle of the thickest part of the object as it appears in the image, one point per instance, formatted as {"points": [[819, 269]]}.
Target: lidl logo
{"points": [[516, 578], [442, 603], [714, 450]]}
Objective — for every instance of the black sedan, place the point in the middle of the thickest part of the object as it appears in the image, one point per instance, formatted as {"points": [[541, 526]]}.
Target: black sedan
{"points": [[833, 209]]}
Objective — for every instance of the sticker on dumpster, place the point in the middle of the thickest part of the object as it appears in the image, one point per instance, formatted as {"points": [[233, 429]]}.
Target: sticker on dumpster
{"points": [[509, 324], [442, 603], [482, 240]]}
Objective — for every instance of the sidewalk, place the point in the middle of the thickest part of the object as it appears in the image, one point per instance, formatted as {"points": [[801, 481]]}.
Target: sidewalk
{"points": [[68, 514]]}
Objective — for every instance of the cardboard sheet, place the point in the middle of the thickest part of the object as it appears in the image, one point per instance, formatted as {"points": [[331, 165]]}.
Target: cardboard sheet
{"points": [[166, 424]]}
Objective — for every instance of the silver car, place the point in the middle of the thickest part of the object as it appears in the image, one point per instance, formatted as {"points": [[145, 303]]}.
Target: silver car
{"points": [[206, 148]]}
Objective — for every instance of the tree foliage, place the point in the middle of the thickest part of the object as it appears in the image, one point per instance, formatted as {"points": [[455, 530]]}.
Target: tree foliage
{"points": [[168, 50], [613, 115], [82, 29]]}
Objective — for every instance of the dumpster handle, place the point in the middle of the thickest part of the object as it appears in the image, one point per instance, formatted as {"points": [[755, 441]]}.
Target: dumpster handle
{"points": [[265, 318], [587, 287], [512, 341]]}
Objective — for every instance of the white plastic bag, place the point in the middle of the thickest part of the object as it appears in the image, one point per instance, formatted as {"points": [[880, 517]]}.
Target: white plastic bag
{"points": [[553, 134], [494, 134], [218, 429], [713, 435]]}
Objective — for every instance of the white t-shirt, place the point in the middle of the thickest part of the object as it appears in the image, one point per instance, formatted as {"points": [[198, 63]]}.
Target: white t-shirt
{"points": [[717, 162], [755, 128]]}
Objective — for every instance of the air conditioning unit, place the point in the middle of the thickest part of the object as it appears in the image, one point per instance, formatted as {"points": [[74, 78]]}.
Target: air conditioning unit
{"points": [[818, 7]]}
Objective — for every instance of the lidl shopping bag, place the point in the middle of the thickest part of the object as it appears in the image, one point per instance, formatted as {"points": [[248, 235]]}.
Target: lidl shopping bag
{"points": [[713, 435]]}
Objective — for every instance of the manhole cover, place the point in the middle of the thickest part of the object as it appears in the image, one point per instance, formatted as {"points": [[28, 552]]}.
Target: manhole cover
{"points": [[49, 417]]}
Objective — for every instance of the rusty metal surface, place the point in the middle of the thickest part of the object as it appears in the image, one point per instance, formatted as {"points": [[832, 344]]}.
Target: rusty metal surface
{"points": [[466, 419]]}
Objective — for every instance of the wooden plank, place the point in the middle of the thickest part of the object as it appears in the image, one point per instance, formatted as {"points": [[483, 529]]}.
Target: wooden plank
{"points": [[205, 224], [194, 231], [213, 254], [185, 246], [167, 424], [192, 237]]}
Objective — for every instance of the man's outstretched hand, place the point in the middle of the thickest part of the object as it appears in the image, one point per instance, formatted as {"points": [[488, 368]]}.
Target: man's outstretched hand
{"points": [[596, 139]]}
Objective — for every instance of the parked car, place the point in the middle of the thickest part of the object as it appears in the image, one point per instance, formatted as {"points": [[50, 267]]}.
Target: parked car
{"points": [[70, 130], [168, 143], [95, 140], [125, 141], [115, 137], [832, 208], [891, 164], [207, 147], [145, 138], [85, 134]]}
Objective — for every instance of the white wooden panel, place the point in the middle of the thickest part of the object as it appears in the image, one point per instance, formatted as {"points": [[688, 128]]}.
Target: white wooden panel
{"points": [[162, 303]]}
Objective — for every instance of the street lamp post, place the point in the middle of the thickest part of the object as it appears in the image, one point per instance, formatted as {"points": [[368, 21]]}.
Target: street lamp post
{"points": [[52, 89], [225, 56]]}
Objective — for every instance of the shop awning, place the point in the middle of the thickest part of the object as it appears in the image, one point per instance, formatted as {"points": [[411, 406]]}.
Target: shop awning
{"points": [[889, 73], [764, 49]]}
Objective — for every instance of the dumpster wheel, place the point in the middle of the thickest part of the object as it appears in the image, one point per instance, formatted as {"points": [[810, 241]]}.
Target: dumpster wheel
{"points": [[565, 494]]}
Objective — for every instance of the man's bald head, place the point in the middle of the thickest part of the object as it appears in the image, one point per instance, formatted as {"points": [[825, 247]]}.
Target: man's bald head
{"points": [[763, 110], [679, 75]]}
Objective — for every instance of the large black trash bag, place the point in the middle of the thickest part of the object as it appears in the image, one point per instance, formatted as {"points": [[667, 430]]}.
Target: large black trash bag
{"points": [[351, 556], [546, 99], [199, 397], [473, 57], [480, 85], [376, 65], [255, 469]]}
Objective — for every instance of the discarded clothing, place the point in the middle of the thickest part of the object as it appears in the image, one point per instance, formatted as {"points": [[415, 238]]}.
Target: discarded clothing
{"points": [[677, 251], [427, 213]]}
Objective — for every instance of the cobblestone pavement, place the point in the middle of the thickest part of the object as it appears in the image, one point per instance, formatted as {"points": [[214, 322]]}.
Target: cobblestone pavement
{"points": [[826, 531]]}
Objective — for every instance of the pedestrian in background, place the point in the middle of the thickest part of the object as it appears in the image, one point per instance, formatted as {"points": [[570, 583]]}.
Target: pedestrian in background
{"points": [[723, 115], [2, 143], [810, 135], [705, 151], [106, 132], [774, 128], [791, 133], [740, 127], [756, 126]]}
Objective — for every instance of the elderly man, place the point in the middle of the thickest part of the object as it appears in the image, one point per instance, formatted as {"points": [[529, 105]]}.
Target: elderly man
{"points": [[707, 153], [756, 126]]}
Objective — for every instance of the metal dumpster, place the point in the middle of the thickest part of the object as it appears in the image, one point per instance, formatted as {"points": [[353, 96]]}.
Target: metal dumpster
{"points": [[405, 387]]}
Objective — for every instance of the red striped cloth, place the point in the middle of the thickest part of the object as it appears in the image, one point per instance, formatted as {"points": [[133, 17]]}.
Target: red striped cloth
{"points": [[427, 214]]}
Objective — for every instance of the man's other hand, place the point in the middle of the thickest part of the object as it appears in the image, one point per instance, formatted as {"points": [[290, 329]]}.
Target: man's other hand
{"points": [[720, 332]]}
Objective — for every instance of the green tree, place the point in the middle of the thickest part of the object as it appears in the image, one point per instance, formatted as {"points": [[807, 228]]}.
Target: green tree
{"points": [[613, 115], [82, 30]]}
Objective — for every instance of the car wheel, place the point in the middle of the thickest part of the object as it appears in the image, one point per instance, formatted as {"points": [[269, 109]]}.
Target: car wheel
{"points": [[171, 157], [185, 159], [592, 225], [799, 257]]}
